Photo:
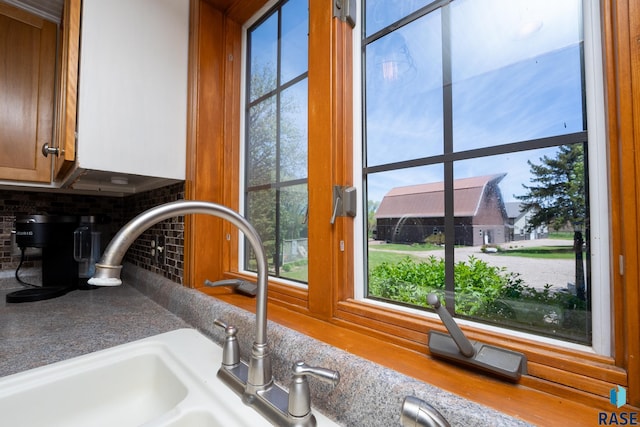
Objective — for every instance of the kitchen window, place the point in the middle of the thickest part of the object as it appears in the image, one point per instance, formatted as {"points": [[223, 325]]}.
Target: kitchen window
{"points": [[275, 179], [461, 156], [480, 119]]}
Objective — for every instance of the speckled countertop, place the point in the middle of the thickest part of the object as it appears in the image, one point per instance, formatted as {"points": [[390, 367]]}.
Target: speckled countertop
{"points": [[33, 334], [38, 333]]}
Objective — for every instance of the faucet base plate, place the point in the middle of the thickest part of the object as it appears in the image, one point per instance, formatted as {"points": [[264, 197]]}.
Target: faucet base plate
{"points": [[271, 402], [495, 360]]}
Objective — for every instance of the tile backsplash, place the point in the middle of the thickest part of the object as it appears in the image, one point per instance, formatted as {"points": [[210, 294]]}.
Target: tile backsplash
{"points": [[119, 210], [172, 229]]}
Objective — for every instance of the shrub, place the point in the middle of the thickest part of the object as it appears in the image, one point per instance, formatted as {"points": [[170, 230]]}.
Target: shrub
{"points": [[482, 291], [435, 239], [408, 281]]}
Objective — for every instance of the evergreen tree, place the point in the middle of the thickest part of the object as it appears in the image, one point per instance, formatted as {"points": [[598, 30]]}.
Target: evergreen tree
{"points": [[557, 199], [557, 193]]}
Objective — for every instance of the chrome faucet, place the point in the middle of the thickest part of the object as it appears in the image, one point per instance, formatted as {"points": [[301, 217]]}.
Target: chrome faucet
{"points": [[254, 382]]}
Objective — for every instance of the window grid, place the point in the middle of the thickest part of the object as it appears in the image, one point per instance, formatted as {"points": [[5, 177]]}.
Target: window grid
{"points": [[277, 184], [449, 155]]}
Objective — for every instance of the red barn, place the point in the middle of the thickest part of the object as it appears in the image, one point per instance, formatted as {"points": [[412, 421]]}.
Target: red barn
{"points": [[413, 213]]}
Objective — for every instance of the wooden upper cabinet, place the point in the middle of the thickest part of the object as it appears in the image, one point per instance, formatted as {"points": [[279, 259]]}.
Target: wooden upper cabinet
{"points": [[68, 87], [27, 83]]}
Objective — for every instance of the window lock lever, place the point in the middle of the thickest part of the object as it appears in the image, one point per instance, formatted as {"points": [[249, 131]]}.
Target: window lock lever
{"points": [[344, 202], [455, 347]]}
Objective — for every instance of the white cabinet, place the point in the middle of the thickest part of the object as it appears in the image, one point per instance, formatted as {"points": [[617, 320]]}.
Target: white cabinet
{"points": [[132, 95]]}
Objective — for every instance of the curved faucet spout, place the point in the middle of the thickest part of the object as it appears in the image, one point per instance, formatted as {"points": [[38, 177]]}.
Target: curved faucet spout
{"points": [[108, 269]]}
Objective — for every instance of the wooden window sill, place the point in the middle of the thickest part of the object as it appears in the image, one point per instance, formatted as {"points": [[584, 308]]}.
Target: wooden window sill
{"points": [[519, 400]]}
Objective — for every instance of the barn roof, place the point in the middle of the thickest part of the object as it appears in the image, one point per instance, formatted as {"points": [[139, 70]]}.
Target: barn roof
{"points": [[427, 200]]}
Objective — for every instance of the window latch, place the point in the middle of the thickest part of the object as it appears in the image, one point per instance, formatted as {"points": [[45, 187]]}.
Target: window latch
{"points": [[345, 10], [344, 202], [455, 346]]}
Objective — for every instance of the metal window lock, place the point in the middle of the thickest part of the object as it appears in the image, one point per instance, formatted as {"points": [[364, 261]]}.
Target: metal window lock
{"points": [[344, 202], [240, 286], [345, 10], [456, 347]]}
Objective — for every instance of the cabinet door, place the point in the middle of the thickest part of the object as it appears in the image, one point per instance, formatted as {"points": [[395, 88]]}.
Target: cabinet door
{"points": [[68, 88], [132, 94], [27, 73]]}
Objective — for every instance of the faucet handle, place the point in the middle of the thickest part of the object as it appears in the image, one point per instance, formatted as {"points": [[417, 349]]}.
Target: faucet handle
{"points": [[230, 348], [325, 375], [299, 395]]}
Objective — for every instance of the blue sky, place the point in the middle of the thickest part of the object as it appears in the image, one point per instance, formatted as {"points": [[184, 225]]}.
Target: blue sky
{"points": [[515, 76]]}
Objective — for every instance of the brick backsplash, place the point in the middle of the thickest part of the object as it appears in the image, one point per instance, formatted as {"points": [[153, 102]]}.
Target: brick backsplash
{"points": [[118, 210]]}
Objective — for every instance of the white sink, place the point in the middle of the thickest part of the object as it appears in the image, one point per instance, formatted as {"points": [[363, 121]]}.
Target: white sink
{"points": [[165, 380]]}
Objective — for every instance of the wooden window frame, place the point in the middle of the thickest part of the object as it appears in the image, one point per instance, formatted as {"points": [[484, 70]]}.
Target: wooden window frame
{"points": [[574, 376]]}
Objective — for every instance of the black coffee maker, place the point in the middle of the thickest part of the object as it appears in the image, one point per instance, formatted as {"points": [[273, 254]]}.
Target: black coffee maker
{"points": [[54, 234]]}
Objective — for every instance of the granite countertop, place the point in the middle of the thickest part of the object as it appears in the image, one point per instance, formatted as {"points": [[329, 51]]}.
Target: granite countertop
{"points": [[38, 333]]}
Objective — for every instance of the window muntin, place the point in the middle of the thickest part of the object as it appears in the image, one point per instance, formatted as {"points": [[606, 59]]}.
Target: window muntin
{"points": [[383, 13], [482, 135], [276, 135]]}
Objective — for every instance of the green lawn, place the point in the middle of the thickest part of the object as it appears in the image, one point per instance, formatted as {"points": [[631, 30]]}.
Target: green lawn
{"points": [[297, 271], [547, 252], [563, 235], [378, 257], [384, 253], [301, 272], [402, 247]]}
